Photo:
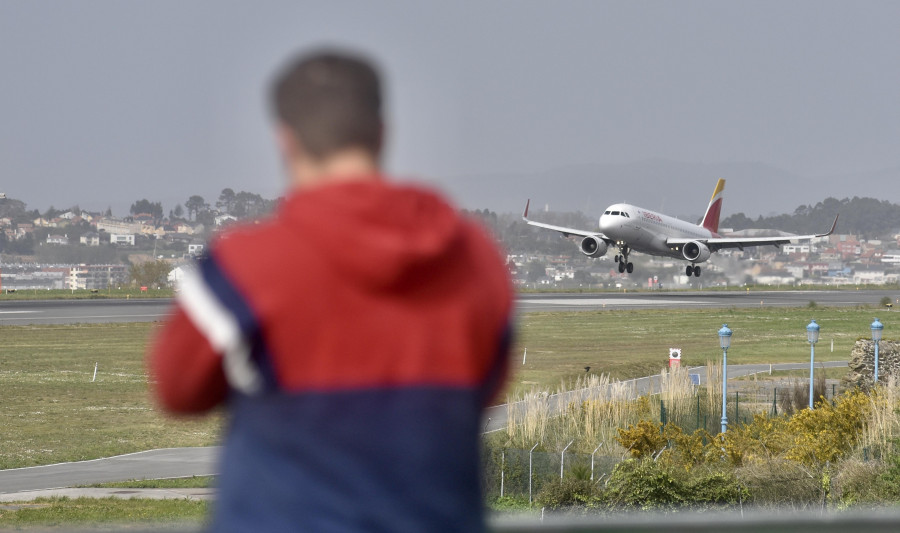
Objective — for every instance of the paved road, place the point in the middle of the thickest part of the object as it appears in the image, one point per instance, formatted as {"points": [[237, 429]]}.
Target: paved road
{"points": [[153, 464], [30, 312]]}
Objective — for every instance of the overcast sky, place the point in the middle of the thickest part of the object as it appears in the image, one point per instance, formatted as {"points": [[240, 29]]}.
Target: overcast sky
{"points": [[103, 103]]}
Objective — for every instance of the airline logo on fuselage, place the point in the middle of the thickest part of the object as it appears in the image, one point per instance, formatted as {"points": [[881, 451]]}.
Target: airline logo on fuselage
{"points": [[651, 216]]}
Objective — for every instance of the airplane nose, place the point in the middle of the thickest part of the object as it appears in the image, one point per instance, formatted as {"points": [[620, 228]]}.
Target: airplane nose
{"points": [[605, 223]]}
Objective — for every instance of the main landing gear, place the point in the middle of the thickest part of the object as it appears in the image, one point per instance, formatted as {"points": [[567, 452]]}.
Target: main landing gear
{"points": [[692, 270], [624, 265]]}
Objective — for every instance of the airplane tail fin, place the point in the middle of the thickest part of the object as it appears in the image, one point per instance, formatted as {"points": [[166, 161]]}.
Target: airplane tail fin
{"points": [[711, 218]]}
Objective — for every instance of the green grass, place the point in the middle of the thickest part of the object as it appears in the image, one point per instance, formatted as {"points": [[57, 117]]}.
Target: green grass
{"points": [[192, 482], [52, 412], [111, 514], [83, 294], [629, 344]]}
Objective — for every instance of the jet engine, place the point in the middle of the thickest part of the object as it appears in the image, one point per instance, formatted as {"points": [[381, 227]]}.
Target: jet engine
{"points": [[593, 246], [695, 252]]}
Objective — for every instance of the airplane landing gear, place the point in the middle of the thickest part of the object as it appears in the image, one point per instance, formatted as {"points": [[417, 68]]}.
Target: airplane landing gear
{"points": [[624, 265], [692, 270]]}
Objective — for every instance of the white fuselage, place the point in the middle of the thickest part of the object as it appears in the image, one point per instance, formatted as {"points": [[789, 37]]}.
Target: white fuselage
{"points": [[647, 231]]}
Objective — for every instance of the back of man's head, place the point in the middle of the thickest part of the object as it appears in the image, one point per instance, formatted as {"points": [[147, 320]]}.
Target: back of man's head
{"points": [[331, 101]]}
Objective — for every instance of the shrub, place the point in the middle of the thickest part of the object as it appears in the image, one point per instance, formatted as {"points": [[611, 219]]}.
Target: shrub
{"points": [[858, 483], [716, 488], [828, 432], [568, 492], [780, 483], [643, 484], [642, 439]]}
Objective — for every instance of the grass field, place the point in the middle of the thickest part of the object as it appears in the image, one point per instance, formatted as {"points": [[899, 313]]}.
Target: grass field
{"points": [[52, 411], [628, 344], [84, 294], [105, 514]]}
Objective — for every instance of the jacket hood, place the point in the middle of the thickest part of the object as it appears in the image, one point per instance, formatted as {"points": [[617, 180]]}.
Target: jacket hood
{"points": [[376, 233]]}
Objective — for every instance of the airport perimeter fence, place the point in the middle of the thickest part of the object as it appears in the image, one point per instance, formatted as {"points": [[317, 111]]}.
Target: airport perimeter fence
{"points": [[699, 412], [506, 470]]}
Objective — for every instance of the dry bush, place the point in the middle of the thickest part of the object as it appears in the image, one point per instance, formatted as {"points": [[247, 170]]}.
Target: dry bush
{"points": [[527, 419], [780, 484], [857, 483], [675, 389], [882, 426], [713, 386]]}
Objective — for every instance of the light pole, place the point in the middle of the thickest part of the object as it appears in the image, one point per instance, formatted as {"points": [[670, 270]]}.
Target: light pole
{"points": [[812, 335], [725, 343], [877, 328]]}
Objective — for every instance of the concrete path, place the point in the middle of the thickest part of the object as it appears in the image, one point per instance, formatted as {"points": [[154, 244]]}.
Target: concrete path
{"points": [[153, 464]]}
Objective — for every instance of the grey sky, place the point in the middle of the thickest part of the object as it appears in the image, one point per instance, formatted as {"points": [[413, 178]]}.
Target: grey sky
{"points": [[103, 103]]}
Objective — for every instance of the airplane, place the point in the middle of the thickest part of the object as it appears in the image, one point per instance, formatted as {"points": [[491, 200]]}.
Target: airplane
{"points": [[635, 229]]}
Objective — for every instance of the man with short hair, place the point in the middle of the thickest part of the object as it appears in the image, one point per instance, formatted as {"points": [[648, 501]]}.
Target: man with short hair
{"points": [[354, 336]]}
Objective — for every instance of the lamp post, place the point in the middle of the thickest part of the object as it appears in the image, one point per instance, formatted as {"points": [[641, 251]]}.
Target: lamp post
{"points": [[877, 328], [812, 335], [725, 343]]}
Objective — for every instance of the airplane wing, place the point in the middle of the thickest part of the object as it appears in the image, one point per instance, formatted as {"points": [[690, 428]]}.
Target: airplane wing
{"points": [[565, 231], [718, 243]]}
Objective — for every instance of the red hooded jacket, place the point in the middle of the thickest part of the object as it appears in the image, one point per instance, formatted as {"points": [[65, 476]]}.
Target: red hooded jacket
{"points": [[356, 336]]}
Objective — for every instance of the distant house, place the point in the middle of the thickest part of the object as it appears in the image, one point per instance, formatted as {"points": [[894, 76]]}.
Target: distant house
{"points": [[225, 219], [119, 227], [891, 257], [126, 239], [90, 239], [195, 249], [57, 239], [869, 276], [185, 228]]}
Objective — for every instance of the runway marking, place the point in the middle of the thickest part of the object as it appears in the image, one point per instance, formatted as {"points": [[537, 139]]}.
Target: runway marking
{"points": [[608, 301], [15, 312]]}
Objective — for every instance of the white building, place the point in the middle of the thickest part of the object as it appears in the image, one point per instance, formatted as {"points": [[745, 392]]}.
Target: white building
{"points": [[795, 248], [891, 257], [90, 239], [122, 239]]}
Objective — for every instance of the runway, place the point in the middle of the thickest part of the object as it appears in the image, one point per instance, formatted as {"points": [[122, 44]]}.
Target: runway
{"points": [[31, 312], [530, 302]]}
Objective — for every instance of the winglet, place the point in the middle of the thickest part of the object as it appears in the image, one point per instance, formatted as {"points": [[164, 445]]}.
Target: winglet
{"points": [[525, 214], [833, 226]]}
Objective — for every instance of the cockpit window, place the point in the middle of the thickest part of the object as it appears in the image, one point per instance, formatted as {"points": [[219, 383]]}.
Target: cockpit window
{"points": [[616, 213], [606, 212], [624, 214]]}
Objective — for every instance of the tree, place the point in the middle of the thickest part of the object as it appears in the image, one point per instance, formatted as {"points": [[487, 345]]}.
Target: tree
{"points": [[178, 211], [150, 273], [226, 200], [146, 206], [194, 205]]}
